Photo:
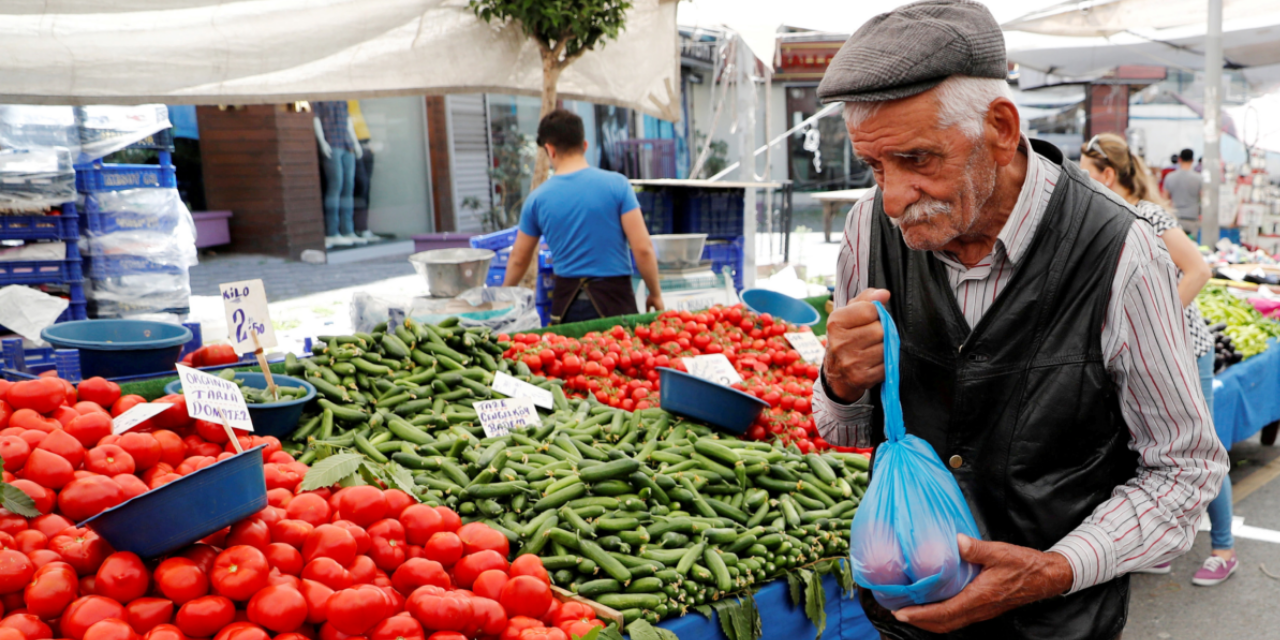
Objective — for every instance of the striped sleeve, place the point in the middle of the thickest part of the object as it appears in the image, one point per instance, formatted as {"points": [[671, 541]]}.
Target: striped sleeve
{"points": [[1152, 517], [841, 424]]}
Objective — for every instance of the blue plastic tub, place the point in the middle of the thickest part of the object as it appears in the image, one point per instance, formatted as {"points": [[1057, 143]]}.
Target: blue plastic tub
{"points": [[115, 348], [187, 509], [780, 306], [496, 240], [277, 419], [708, 402]]}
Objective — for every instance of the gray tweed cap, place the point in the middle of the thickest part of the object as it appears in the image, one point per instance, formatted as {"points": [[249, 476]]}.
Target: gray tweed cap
{"points": [[913, 49]]}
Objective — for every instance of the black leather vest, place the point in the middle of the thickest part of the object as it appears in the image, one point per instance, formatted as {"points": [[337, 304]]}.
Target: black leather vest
{"points": [[1024, 398]]}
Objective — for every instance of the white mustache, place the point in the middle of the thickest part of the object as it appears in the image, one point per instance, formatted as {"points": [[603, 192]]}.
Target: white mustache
{"points": [[921, 210]]}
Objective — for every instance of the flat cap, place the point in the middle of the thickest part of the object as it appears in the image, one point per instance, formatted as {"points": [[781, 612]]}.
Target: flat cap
{"points": [[913, 49]]}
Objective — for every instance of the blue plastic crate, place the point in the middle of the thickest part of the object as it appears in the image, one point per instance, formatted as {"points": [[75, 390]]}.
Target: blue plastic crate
{"points": [[118, 177], [40, 272], [544, 312], [159, 141], [500, 258], [116, 266], [657, 208], [495, 277], [546, 285], [726, 255], [43, 227], [96, 222], [719, 214], [496, 240]]}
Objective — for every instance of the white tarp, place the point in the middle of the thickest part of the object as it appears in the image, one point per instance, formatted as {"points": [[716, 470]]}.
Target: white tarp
{"points": [[268, 51]]}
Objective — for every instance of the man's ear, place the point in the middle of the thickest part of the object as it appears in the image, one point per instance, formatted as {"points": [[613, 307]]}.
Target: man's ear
{"points": [[1004, 130]]}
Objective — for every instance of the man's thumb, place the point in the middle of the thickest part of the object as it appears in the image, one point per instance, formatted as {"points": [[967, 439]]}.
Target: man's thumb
{"points": [[975, 551], [873, 295]]}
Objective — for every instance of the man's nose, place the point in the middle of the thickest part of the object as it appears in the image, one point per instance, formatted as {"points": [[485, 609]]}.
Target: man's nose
{"points": [[898, 192]]}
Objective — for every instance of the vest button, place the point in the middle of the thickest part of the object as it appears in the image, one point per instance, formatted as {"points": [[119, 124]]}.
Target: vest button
{"points": [[956, 461]]}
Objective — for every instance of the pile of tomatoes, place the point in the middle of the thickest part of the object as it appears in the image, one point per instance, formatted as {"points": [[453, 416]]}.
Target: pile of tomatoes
{"points": [[355, 563], [620, 367]]}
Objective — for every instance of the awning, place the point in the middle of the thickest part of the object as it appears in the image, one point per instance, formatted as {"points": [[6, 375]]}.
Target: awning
{"points": [[269, 51]]}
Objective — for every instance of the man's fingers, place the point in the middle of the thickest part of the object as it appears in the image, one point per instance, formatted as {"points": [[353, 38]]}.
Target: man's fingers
{"points": [[978, 552], [873, 295]]}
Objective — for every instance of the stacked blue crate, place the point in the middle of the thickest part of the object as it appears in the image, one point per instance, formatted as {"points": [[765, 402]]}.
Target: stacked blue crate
{"points": [[500, 242], [658, 209], [715, 212], [65, 273], [726, 255], [546, 285]]}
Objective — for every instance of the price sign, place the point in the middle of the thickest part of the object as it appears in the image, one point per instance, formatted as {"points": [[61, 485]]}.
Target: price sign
{"points": [[139, 414], [808, 345], [713, 368], [245, 304], [213, 399], [500, 417], [511, 387]]}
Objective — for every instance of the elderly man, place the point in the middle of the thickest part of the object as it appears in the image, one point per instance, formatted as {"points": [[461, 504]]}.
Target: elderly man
{"points": [[1044, 355]]}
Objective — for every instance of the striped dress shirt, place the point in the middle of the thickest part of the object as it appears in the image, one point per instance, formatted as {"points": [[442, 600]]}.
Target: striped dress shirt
{"points": [[1151, 518]]}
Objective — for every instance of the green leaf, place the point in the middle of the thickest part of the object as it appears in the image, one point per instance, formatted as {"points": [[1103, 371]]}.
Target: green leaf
{"points": [[17, 501], [642, 630], [797, 597], [706, 610], [845, 576], [729, 612], [402, 480], [815, 603], [591, 635], [611, 633], [331, 470]]}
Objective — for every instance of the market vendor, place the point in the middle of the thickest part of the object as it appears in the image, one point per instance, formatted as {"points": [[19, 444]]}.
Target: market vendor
{"points": [[591, 220], [1044, 355]]}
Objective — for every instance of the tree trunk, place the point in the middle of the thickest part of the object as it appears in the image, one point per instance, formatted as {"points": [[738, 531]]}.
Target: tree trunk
{"points": [[551, 68]]}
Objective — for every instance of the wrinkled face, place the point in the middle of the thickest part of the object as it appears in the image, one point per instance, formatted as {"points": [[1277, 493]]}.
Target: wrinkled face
{"points": [[935, 181]]}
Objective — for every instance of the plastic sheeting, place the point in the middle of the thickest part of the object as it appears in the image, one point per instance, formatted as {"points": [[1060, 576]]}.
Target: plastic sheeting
{"points": [[1246, 396], [270, 51]]}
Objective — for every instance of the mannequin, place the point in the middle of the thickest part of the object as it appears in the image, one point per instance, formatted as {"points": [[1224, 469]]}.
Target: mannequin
{"points": [[339, 150], [364, 172]]}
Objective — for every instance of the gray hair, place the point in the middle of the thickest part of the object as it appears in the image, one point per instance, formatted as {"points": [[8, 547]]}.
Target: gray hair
{"points": [[963, 102]]}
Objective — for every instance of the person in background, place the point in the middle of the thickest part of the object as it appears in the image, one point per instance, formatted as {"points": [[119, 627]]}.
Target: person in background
{"points": [[591, 220], [1183, 188], [339, 151], [364, 173], [1108, 160], [1173, 166]]}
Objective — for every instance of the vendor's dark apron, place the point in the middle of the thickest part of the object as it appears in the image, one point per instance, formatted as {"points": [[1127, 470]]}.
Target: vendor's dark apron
{"points": [[610, 297], [1023, 400]]}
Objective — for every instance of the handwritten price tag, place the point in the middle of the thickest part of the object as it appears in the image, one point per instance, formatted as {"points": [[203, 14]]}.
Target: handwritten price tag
{"points": [[211, 398], [500, 417], [245, 304], [713, 368], [511, 387], [808, 345], [139, 414]]}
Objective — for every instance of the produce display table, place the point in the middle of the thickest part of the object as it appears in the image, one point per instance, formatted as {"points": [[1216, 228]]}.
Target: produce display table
{"points": [[1246, 396], [785, 621]]}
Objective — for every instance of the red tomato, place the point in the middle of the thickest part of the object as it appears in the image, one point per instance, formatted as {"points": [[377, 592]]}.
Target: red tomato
{"points": [[172, 449], [278, 608], [42, 497], [487, 617], [526, 596], [42, 395], [110, 629], [48, 469], [354, 611], [85, 611], [330, 541], [545, 633], [437, 609], [144, 448], [87, 497], [239, 572], [291, 532], [30, 625], [181, 580], [99, 390], [251, 531], [397, 502], [52, 588], [132, 485], [529, 565], [109, 460], [417, 572], [420, 523], [317, 597], [363, 505], [50, 524], [15, 450], [89, 428], [205, 616], [30, 540], [175, 417], [478, 536], [16, 570], [328, 572], [396, 628], [81, 548], [469, 567], [122, 577], [309, 507], [284, 557], [165, 632], [145, 614], [444, 547], [489, 584], [363, 541], [517, 625]]}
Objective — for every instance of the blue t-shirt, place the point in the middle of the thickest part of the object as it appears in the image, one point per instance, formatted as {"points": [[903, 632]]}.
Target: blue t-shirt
{"points": [[579, 215]]}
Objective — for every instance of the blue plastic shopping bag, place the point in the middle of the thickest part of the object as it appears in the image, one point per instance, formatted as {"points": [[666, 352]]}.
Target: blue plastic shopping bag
{"points": [[903, 544]]}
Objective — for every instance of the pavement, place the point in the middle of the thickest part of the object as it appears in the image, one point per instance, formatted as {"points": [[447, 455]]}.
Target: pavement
{"points": [[286, 279]]}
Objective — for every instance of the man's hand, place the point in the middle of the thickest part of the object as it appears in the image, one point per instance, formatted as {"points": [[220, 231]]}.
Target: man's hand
{"points": [[855, 346], [654, 301], [1011, 577], [325, 149]]}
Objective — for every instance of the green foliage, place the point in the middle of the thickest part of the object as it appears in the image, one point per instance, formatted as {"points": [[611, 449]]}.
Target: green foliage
{"points": [[641, 630], [514, 158], [739, 618], [570, 26], [17, 501], [717, 156], [330, 470]]}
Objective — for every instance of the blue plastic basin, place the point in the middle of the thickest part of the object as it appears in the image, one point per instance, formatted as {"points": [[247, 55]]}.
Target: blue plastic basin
{"points": [[277, 419], [115, 348], [780, 305], [708, 402], [187, 509]]}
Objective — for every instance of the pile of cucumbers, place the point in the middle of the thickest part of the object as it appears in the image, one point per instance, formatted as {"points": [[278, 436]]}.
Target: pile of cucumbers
{"points": [[642, 512]]}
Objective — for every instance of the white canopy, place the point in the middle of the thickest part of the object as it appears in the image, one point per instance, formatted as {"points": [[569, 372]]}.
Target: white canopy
{"points": [[264, 51]]}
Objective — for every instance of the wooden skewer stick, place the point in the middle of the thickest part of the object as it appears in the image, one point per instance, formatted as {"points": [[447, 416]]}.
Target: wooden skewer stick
{"points": [[262, 363], [231, 434]]}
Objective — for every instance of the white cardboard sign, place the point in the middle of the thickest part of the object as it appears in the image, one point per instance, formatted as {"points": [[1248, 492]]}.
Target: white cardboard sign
{"points": [[500, 417], [245, 304], [808, 345], [513, 388], [211, 398], [137, 415], [713, 368]]}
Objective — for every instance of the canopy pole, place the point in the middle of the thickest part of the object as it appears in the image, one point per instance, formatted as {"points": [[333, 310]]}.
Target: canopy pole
{"points": [[1212, 176]]}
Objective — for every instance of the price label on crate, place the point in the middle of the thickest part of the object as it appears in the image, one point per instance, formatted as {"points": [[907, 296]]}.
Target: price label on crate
{"points": [[713, 368], [808, 345], [213, 399], [245, 304], [511, 387], [500, 417], [139, 414]]}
